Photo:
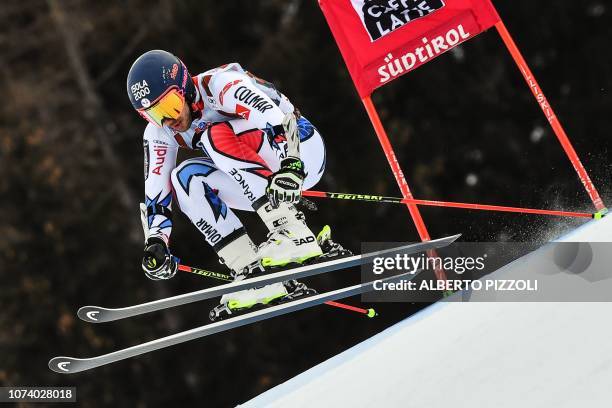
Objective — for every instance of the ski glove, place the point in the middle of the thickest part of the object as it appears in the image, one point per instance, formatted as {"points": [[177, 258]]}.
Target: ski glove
{"points": [[286, 184], [157, 262]]}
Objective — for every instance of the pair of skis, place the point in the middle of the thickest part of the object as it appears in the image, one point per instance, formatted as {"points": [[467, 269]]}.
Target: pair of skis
{"points": [[96, 314]]}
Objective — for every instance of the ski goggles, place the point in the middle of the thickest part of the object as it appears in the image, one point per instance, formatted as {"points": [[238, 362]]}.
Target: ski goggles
{"points": [[168, 106]]}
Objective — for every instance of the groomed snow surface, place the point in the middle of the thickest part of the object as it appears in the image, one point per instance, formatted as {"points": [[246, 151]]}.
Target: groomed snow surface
{"points": [[472, 355]]}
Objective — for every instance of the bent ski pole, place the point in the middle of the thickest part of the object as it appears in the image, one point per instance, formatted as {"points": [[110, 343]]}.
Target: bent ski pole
{"points": [[431, 203], [224, 277]]}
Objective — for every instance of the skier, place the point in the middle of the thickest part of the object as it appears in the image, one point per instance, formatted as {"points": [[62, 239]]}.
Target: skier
{"points": [[258, 153]]}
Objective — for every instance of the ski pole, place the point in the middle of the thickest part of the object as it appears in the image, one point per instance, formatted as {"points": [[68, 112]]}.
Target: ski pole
{"points": [[204, 272], [431, 203], [368, 312], [224, 277]]}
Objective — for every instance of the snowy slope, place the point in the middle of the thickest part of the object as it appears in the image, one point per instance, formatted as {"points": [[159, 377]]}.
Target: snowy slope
{"points": [[472, 355]]}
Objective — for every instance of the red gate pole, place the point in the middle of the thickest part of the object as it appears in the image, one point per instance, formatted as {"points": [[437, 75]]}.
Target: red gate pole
{"points": [[550, 115], [399, 176], [397, 171]]}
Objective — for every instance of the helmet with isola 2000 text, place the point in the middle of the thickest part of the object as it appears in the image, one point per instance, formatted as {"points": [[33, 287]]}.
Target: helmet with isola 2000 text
{"points": [[158, 86]]}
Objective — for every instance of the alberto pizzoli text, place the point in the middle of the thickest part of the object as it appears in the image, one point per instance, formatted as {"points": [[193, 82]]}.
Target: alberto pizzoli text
{"points": [[519, 285]]}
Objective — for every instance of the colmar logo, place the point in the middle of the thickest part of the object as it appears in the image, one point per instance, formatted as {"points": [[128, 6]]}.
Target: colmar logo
{"points": [[252, 99], [381, 17], [209, 231]]}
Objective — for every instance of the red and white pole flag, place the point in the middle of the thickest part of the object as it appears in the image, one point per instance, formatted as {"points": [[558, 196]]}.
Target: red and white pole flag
{"points": [[381, 40]]}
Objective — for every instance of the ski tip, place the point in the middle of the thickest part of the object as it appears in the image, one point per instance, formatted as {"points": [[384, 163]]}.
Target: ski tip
{"points": [[62, 365], [91, 314], [371, 313], [444, 241], [455, 237]]}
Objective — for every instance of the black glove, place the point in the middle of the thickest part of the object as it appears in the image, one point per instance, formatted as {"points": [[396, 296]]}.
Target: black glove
{"points": [[157, 262], [286, 184]]}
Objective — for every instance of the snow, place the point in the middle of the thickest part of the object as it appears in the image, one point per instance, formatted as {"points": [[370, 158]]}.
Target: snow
{"points": [[472, 355], [593, 231]]}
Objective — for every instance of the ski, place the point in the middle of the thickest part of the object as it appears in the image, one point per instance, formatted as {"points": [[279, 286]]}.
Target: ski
{"points": [[70, 365], [97, 314]]}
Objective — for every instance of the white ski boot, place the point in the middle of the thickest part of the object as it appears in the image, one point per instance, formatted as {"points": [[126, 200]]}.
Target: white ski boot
{"points": [[242, 258], [239, 256], [290, 240], [235, 304]]}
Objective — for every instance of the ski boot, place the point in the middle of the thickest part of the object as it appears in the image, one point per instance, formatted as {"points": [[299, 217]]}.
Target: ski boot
{"points": [[249, 300], [331, 250], [291, 244], [289, 241], [241, 257]]}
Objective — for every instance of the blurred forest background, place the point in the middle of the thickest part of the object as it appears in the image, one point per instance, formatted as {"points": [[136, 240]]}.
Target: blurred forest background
{"points": [[464, 127]]}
